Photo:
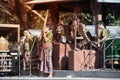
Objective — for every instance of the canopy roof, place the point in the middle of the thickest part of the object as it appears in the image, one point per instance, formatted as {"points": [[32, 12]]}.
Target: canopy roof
{"points": [[51, 1], [109, 1], [63, 5], [69, 5]]}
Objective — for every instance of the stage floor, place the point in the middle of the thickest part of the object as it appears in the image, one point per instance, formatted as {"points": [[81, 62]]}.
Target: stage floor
{"points": [[99, 74], [54, 78]]}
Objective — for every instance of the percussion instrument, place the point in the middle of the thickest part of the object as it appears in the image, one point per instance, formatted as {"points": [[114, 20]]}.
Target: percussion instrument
{"points": [[112, 49]]}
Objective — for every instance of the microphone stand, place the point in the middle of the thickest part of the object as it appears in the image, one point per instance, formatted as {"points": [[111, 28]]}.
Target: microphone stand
{"points": [[19, 50], [111, 51], [19, 59], [90, 56]]}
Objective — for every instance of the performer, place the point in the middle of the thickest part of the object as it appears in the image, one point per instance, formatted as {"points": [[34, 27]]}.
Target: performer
{"points": [[75, 33], [75, 30], [45, 56], [87, 37], [103, 34], [60, 30], [27, 42], [80, 34]]}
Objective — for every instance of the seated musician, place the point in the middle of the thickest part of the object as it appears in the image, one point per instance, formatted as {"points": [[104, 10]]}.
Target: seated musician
{"points": [[75, 33], [60, 30], [87, 37], [75, 30], [80, 34]]}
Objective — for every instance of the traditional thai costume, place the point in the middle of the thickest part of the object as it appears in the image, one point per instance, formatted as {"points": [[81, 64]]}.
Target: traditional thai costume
{"points": [[45, 55]]}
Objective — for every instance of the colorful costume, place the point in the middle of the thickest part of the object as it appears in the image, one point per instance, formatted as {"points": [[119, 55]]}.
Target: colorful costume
{"points": [[105, 33], [87, 38], [27, 47], [60, 31], [45, 55]]}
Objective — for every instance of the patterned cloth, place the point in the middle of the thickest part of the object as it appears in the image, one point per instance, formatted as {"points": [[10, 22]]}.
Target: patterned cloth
{"points": [[46, 62], [27, 47]]}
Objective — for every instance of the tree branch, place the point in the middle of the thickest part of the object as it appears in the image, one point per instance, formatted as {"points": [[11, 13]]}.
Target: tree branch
{"points": [[35, 12]]}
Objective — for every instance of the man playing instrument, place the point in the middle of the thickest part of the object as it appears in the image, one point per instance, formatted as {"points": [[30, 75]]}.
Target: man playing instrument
{"points": [[103, 33], [45, 47], [87, 37]]}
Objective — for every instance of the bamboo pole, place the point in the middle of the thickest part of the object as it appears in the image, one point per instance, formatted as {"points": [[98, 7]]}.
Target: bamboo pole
{"points": [[45, 20], [35, 12]]}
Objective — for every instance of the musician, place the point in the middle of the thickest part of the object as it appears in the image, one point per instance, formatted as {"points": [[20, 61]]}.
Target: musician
{"points": [[80, 34], [75, 30], [60, 30], [103, 33], [27, 42], [45, 56], [87, 37], [75, 33]]}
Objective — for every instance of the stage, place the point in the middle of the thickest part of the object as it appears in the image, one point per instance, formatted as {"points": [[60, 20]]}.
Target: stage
{"points": [[106, 74], [54, 78]]}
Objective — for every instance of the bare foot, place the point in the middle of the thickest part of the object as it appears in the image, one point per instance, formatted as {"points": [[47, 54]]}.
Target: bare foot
{"points": [[50, 75]]}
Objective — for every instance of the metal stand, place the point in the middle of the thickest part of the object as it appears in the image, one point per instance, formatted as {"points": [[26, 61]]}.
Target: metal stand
{"points": [[112, 56], [19, 51], [19, 60], [90, 56], [104, 66]]}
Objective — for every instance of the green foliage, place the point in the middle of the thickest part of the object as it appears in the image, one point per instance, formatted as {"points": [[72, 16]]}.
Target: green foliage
{"points": [[69, 16], [112, 17], [8, 15]]}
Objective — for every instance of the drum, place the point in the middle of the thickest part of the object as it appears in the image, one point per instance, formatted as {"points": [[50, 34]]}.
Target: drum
{"points": [[112, 46]]}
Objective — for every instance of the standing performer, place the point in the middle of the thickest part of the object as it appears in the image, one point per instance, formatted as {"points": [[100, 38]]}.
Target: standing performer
{"points": [[103, 34], [45, 55], [28, 46], [27, 43]]}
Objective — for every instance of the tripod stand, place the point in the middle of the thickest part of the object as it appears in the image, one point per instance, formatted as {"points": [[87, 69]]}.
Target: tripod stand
{"points": [[30, 55]]}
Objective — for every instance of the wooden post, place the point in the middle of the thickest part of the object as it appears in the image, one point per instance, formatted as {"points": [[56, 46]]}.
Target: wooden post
{"points": [[96, 9], [76, 10], [18, 35]]}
